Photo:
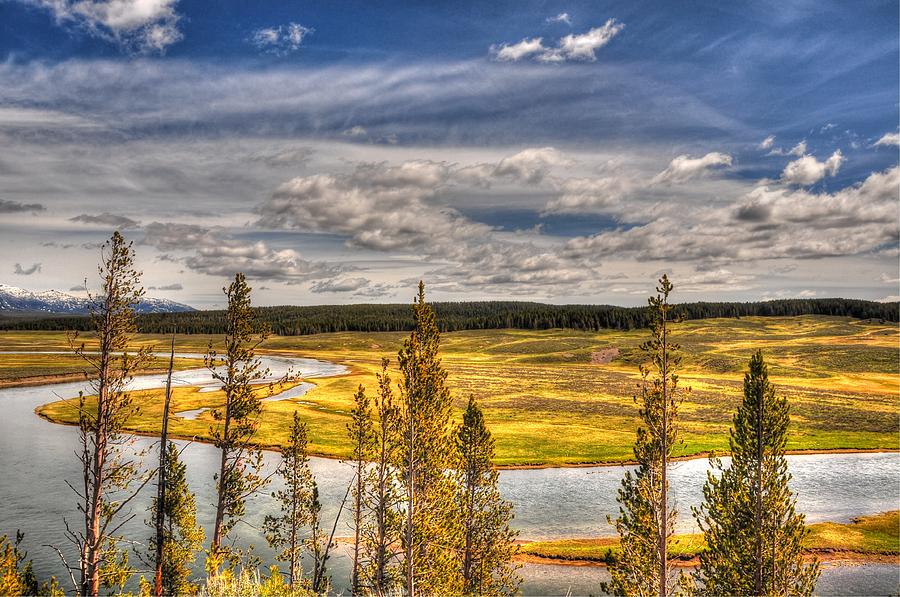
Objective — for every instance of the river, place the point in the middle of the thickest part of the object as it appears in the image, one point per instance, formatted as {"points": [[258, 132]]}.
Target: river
{"points": [[37, 456]]}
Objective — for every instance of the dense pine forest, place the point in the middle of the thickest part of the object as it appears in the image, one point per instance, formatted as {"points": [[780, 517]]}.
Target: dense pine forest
{"points": [[481, 315]]}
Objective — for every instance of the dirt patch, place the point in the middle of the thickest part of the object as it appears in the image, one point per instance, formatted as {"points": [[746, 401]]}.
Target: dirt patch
{"points": [[604, 357]]}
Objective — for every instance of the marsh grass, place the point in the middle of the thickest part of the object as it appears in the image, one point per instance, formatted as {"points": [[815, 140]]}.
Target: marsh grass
{"points": [[547, 404]]}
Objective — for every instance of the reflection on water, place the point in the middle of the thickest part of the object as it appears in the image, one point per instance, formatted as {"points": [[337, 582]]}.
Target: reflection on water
{"points": [[37, 457]]}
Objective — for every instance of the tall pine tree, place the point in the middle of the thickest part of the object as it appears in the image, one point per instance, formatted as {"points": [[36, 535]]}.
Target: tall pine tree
{"points": [[360, 432], [646, 523], [431, 533], [753, 533], [488, 542], [111, 476], [181, 536], [383, 519], [236, 370], [283, 532]]}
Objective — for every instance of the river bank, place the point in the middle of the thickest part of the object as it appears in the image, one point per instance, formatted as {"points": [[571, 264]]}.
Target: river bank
{"points": [[865, 539]]}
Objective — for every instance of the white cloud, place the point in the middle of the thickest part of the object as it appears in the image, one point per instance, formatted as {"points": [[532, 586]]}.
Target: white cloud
{"points": [[808, 170], [356, 131], [212, 251], [562, 17], [767, 223], [578, 47], [767, 142], [139, 25], [281, 39], [580, 195], [684, 167], [339, 285], [888, 139], [797, 150], [523, 49]]}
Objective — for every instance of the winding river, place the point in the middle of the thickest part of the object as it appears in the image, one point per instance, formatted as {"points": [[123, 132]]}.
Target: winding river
{"points": [[37, 456]]}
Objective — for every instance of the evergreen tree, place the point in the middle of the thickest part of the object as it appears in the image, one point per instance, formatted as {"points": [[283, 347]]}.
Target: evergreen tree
{"points": [[382, 520], [17, 574], [283, 532], [753, 533], [238, 475], [318, 544], [430, 532], [645, 522], [111, 475], [360, 431], [488, 544], [182, 537]]}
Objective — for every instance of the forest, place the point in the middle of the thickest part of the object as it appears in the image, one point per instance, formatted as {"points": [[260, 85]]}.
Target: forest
{"points": [[473, 315]]}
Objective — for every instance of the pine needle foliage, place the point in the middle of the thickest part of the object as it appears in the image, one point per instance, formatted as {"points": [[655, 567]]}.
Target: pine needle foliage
{"points": [[111, 471], [182, 535], [236, 369], [382, 497], [646, 522], [430, 534], [284, 532], [488, 542], [360, 433], [753, 532]]}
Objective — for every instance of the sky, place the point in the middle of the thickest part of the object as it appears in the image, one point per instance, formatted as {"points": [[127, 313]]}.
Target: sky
{"points": [[564, 152]]}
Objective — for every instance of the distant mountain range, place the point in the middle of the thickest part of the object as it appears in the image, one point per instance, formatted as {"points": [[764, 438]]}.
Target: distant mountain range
{"points": [[14, 299]]}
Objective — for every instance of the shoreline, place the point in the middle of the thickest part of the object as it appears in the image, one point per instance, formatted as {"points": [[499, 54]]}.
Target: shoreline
{"points": [[69, 377], [499, 467], [830, 556]]}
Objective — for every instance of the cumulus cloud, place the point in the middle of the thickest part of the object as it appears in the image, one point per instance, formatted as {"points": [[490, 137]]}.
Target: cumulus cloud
{"points": [[591, 194], [888, 140], [167, 287], [106, 219], [137, 25], [12, 207], [562, 17], [530, 165], [808, 170], [281, 39], [214, 252], [767, 223], [339, 285], [684, 167], [572, 47], [767, 142], [797, 150], [27, 271]]}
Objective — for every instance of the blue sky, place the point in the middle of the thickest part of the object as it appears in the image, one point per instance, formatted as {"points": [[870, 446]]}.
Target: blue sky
{"points": [[557, 151]]}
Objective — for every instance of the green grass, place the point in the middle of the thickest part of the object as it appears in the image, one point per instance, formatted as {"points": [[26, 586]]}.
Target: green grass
{"points": [[547, 404], [877, 535]]}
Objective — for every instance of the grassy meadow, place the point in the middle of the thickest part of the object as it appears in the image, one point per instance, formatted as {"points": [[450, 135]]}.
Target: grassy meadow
{"points": [[877, 535], [564, 397]]}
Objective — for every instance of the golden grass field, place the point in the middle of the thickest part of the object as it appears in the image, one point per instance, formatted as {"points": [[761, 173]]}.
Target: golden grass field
{"points": [[551, 398], [865, 536]]}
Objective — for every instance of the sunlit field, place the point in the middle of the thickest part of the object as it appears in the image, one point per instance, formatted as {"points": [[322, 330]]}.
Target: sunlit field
{"points": [[563, 397]]}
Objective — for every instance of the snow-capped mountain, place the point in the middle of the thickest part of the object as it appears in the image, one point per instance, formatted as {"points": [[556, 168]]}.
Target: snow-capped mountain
{"points": [[13, 298]]}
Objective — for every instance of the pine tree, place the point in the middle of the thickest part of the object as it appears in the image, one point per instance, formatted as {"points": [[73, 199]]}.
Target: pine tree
{"points": [[645, 522], [753, 533], [360, 431], [430, 532], [318, 544], [182, 537], [238, 475], [111, 476], [382, 520], [283, 532], [488, 544]]}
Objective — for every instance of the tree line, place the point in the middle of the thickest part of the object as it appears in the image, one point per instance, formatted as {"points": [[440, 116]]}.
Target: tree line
{"points": [[475, 315], [426, 512]]}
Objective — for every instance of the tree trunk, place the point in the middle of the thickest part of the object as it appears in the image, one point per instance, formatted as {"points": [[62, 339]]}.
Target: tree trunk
{"points": [[664, 502], [758, 513], [220, 501], [411, 492], [161, 480]]}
